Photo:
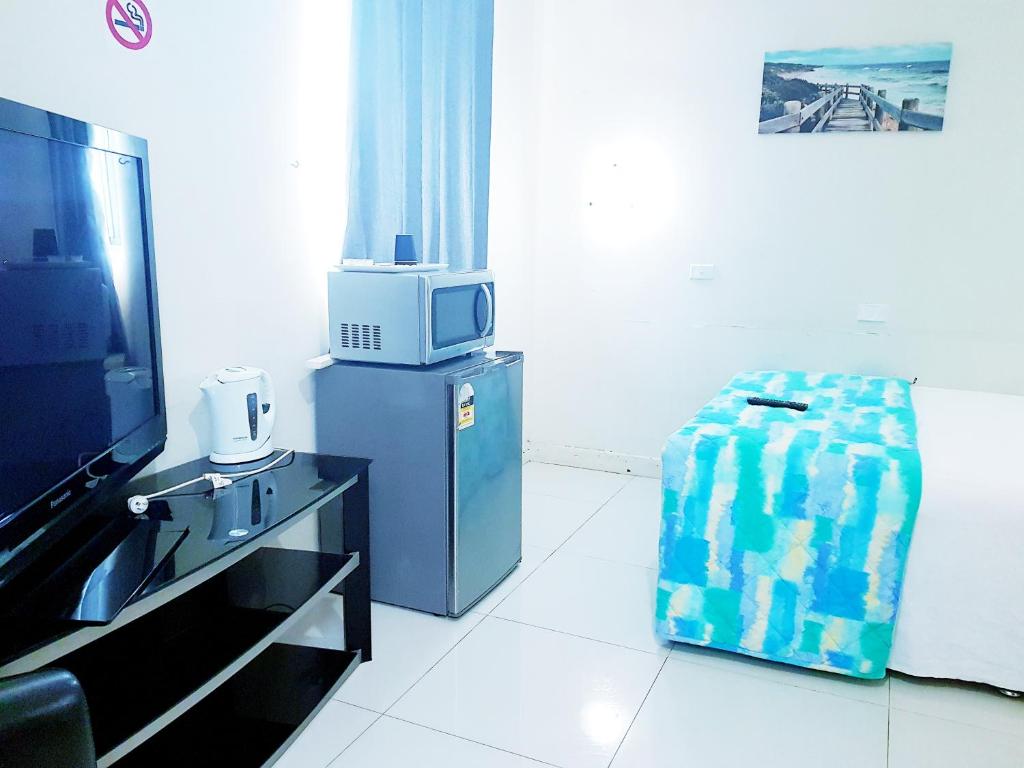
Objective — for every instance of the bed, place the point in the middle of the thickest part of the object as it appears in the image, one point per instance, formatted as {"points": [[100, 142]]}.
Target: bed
{"points": [[959, 590], [962, 613]]}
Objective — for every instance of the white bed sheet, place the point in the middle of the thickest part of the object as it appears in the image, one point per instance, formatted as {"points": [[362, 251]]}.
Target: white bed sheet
{"points": [[962, 611]]}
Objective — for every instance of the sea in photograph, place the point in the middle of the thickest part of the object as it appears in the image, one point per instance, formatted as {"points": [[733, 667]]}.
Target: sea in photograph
{"points": [[924, 80]]}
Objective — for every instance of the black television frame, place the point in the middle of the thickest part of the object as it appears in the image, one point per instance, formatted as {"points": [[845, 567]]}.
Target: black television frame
{"points": [[57, 510]]}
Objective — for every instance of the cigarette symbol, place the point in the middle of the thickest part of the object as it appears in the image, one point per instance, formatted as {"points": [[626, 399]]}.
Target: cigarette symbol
{"points": [[139, 22]]}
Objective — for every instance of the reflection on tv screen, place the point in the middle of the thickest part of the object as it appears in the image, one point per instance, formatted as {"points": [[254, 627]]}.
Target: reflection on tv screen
{"points": [[76, 346]]}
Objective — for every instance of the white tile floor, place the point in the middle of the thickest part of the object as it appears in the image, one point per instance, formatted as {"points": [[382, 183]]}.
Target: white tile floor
{"points": [[558, 667]]}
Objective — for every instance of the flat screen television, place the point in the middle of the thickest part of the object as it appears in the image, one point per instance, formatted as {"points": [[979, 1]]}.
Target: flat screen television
{"points": [[81, 384]]}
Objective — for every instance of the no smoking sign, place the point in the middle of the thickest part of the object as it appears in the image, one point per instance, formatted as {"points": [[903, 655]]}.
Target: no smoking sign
{"points": [[130, 23]]}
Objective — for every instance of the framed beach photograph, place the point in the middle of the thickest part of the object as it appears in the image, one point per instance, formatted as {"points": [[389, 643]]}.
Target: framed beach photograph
{"points": [[875, 89]]}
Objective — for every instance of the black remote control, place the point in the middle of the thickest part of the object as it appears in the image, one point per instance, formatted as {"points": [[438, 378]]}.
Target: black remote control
{"points": [[773, 403]]}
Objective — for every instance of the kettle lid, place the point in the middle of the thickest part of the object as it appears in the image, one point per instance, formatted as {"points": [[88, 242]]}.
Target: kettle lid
{"points": [[237, 373]]}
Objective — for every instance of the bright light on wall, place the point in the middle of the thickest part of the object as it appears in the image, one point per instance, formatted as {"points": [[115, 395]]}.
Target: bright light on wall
{"points": [[628, 192], [319, 130]]}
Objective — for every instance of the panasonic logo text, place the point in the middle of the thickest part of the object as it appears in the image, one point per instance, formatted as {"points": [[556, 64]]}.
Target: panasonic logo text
{"points": [[60, 499]]}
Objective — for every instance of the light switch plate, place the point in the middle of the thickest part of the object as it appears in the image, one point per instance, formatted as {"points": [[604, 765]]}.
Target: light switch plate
{"points": [[873, 313], [702, 271]]}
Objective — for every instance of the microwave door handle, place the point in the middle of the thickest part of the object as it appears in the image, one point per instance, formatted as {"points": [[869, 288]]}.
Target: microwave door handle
{"points": [[490, 310]]}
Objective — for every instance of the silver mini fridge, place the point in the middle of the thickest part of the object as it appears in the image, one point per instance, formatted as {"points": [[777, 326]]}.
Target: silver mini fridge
{"points": [[447, 473]]}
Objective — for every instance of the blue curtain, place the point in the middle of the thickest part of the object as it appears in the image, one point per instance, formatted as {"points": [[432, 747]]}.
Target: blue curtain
{"points": [[421, 129]]}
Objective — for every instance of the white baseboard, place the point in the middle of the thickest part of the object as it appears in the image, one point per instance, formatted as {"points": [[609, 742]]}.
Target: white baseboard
{"points": [[589, 458]]}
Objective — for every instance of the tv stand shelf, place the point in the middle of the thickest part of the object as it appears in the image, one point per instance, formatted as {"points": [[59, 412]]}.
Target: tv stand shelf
{"points": [[245, 721], [199, 662]]}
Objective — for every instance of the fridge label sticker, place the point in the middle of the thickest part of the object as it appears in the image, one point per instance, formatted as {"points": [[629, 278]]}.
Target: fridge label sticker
{"points": [[467, 407]]}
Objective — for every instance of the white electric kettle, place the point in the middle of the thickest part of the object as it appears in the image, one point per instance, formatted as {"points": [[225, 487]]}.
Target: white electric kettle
{"points": [[242, 411]]}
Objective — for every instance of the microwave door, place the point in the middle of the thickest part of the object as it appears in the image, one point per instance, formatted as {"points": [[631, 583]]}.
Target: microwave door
{"points": [[461, 319], [486, 323]]}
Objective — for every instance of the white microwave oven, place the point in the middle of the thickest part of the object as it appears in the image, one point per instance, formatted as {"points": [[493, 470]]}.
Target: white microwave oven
{"points": [[414, 318]]}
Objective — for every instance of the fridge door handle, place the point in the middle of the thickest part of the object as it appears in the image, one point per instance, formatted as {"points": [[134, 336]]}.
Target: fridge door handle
{"points": [[481, 370], [461, 379]]}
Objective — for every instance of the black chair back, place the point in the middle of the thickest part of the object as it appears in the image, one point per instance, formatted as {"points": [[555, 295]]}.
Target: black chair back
{"points": [[44, 721]]}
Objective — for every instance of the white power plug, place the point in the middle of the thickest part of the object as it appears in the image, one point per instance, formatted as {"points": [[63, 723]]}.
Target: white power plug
{"points": [[138, 504], [218, 480]]}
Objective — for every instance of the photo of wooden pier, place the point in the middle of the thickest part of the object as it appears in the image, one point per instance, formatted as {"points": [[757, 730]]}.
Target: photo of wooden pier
{"points": [[855, 90]]}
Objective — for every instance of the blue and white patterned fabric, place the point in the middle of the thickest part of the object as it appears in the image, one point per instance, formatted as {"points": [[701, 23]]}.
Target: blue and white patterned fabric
{"points": [[785, 534]]}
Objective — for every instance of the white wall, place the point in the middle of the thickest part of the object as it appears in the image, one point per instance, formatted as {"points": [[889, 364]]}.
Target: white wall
{"points": [[514, 175], [231, 96], [643, 157], [514, 170]]}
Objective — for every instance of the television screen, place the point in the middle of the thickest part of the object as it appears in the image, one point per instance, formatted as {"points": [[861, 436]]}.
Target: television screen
{"points": [[78, 365]]}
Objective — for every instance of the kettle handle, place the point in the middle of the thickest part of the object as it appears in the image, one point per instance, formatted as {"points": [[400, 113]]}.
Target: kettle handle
{"points": [[268, 399]]}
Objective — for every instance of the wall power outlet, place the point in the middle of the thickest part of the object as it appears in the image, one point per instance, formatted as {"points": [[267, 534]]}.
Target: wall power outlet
{"points": [[702, 271], [873, 313]]}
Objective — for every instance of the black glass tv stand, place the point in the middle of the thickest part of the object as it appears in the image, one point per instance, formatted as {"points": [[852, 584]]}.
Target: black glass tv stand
{"points": [[91, 574], [194, 669]]}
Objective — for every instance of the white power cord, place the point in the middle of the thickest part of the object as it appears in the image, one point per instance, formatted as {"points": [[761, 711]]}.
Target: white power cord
{"points": [[139, 504]]}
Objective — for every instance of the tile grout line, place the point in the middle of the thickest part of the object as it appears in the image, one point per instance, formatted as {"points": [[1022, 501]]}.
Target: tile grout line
{"points": [[548, 557], [580, 637], [888, 726], [525, 579], [359, 706], [629, 478], [740, 671], [373, 722], [611, 560], [556, 549], [980, 688], [964, 723], [583, 469], [572, 501], [432, 666], [590, 517], [585, 556], [637, 714], [471, 741]]}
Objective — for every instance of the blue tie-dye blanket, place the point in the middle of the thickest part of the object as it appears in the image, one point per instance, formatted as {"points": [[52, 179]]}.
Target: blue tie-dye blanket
{"points": [[784, 534]]}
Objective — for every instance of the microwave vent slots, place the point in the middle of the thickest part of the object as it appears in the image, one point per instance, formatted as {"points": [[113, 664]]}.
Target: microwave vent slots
{"points": [[60, 337], [360, 336]]}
